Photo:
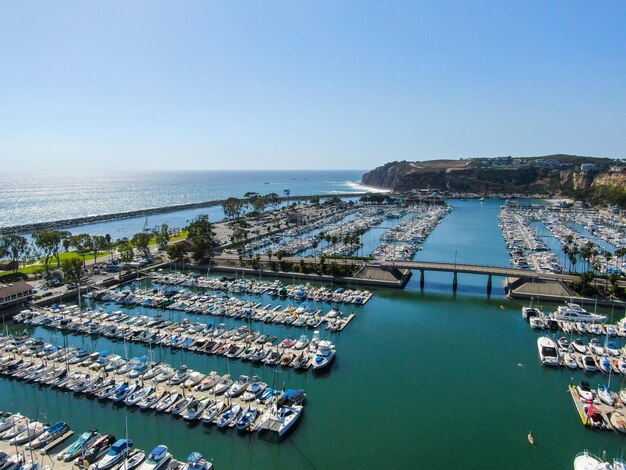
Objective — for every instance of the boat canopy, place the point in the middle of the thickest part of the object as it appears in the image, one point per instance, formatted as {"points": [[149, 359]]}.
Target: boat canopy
{"points": [[194, 457], [158, 451]]}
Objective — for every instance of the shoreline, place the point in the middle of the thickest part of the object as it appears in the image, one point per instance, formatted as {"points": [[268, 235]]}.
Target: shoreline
{"points": [[65, 223]]}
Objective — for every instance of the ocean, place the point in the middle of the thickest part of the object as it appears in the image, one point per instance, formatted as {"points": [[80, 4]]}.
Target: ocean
{"points": [[47, 197]]}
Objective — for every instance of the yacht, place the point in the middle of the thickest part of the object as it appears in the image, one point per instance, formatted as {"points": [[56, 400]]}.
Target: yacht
{"points": [[83, 442], [116, 454], [323, 356], [574, 312], [158, 458], [588, 461], [50, 434], [548, 351]]}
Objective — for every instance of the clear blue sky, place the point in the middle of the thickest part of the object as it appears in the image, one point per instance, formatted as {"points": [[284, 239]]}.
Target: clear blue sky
{"points": [[318, 84]]}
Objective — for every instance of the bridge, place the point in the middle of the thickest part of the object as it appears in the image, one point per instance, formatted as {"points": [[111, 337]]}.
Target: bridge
{"points": [[484, 270], [436, 266]]}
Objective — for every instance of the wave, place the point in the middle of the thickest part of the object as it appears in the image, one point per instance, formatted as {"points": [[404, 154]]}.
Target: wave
{"points": [[361, 187]]}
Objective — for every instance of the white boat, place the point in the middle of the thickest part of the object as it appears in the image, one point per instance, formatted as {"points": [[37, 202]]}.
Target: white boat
{"points": [[570, 361], [548, 351], [195, 409], [323, 356], [195, 461], [280, 419], [588, 461], [574, 312], [34, 430], [118, 452], [606, 395], [158, 458], [194, 379]]}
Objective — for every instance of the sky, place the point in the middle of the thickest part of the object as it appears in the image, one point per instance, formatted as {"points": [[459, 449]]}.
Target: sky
{"points": [[94, 85]]}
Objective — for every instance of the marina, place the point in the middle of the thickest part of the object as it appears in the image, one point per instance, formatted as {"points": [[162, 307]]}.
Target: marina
{"points": [[374, 345], [99, 447], [245, 403]]}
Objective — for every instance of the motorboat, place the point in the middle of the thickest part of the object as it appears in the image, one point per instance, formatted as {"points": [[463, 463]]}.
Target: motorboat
{"points": [[158, 458], [180, 376], [148, 402], [195, 409], [168, 401], [212, 411], [118, 452], [579, 346], [247, 419], [595, 347], [208, 383], [223, 385], [618, 421], [606, 395], [326, 353], [570, 361], [537, 323], [529, 312], [588, 461], [50, 435], [280, 418], [8, 421], [228, 416], [605, 364], [612, 348], [574, 312], [179, 408], [139, 394], [195, 461], [193, 379], [99, 447], [78, 446], [33, 431], [585, 392], [134, 459], [238, 387], [164, 375], [589, 363]]}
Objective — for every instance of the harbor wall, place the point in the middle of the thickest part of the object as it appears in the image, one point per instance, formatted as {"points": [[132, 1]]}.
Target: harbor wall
{"points": [[57, 224]]}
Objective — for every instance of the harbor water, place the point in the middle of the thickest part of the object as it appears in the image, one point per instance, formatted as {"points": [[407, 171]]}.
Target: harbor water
{"points": [[423, 379]]}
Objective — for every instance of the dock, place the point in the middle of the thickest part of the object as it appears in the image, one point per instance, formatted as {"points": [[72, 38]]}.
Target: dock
{"points": [[605, 411]]}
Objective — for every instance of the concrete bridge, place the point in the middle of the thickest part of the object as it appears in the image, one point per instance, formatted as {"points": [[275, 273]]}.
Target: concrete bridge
{"points": [[456, 268]]}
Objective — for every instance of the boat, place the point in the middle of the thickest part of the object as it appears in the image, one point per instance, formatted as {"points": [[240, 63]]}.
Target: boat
{"points": [[195, 461], [212, 411], [50, 434], [618, 421], [324, 355], [529, 312], [100, 447], [133, 460], [118, 452], [579, 346], [158, 458], [589, 363], [588, 461], [280, 418], [180, 376], [228, 416], [574, 312], [238, 387], [585, 392], [74, 450], [605, 365], [195, 409], [548, 351], [606, 395], [247, 419], [570, 361], [33, 431], [167, 401]]}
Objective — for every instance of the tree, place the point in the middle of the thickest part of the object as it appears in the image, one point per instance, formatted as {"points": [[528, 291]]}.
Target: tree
{"points": [[260, 203], [126, 251], [141, 241], [16, 248], [83, 244], [46, 241], [177, 252], [233, 208], [202, 236], [72, 269], [287, 193], [98, 243], [163, 237], [315, 200]]}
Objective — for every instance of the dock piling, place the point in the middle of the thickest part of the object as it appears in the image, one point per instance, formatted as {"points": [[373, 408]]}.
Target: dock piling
{"points": [[422, 279], [454, 282], [489, 285]]}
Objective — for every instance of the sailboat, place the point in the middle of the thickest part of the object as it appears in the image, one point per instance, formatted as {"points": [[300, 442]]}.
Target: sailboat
{"points": [[146, 227]]}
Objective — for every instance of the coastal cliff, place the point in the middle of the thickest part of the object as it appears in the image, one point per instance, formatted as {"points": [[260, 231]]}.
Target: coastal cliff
{"points": [[563, 175]]}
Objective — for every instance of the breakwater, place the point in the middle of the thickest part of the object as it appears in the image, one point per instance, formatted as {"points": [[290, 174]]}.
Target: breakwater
{"points": [[64, 223]]}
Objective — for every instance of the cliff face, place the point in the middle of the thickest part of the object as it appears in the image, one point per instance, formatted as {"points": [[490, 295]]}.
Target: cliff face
{"points": [[484, 176]]}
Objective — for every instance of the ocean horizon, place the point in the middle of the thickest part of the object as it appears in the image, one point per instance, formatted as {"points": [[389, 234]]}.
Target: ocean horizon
{"points": [[50, 196]]}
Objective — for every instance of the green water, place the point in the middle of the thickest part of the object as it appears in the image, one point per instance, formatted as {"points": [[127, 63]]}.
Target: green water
{"points": [[423, 379]]}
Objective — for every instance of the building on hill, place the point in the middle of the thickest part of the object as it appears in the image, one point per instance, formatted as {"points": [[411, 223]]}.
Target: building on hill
{"points": [[588, 167]]}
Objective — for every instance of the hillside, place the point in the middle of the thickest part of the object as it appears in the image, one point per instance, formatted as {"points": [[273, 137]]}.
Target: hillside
{"points": [[563, 175]]}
